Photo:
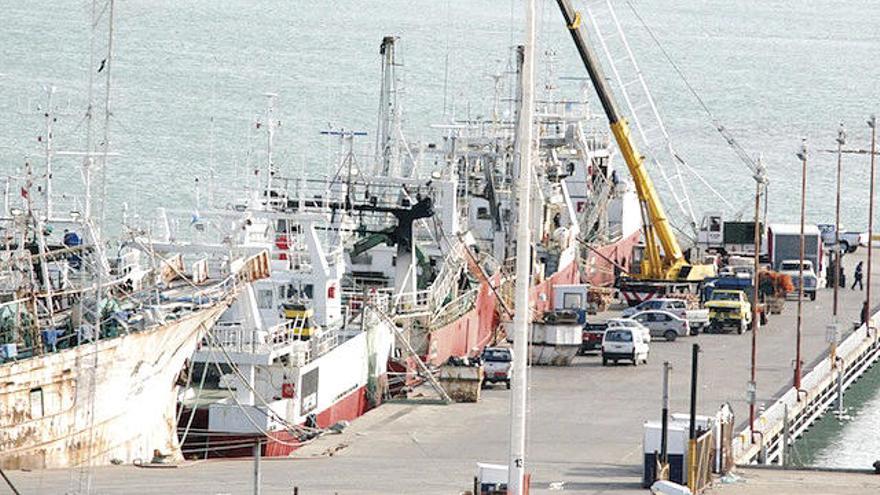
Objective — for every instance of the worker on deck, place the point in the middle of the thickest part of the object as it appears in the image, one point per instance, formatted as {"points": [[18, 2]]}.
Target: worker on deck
{"points": [[858, 277]]}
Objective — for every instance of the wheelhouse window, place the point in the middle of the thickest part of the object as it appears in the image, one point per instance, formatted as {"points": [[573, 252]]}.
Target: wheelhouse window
{"points": [[572, 301], [264, 298]]}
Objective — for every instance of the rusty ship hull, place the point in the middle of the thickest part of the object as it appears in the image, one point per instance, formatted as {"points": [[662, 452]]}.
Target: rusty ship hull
{"points": [[97, 404]]}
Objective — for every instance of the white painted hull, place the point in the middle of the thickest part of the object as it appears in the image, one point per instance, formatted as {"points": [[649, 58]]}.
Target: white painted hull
{"points": [[552, 354], [340, 385], [554, 344], [47, 403]]}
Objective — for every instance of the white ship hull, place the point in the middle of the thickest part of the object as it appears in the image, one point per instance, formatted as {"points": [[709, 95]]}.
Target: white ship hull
{"points": [[342, 384], [56, 412]]}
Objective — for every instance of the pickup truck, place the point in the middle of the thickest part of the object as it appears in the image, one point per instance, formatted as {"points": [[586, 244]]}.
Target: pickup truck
{"points": [[729, 309], [696, 318], [591, 337], [497, 365], [849, 241], [811, 281]]}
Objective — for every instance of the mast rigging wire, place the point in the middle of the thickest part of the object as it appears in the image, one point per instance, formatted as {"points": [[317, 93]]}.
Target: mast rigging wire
{"points": [[728, 137]]}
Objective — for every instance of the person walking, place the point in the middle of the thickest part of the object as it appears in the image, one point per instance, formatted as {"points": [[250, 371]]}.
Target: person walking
{"points": [[857, 276]]}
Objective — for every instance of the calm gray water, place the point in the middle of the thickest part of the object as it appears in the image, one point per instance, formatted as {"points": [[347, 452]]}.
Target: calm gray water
{"points": [[190, 75]]}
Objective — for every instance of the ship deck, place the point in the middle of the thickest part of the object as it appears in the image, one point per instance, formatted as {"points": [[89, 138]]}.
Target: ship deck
{"points": [[584, 431]]}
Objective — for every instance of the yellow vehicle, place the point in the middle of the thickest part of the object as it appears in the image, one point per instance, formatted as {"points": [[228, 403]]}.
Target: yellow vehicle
{"points": [[303, 313], [729, 309]]}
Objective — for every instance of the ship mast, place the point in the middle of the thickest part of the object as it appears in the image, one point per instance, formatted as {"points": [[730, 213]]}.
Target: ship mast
{"points": [[522, 316], [386, 147]]}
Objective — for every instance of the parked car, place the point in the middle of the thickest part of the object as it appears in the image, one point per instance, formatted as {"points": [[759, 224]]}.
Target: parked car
{"points": [[792, 268], [591, 337], [625, 340], [663, 324], [497, 365], [696, 318], [849, 241]]}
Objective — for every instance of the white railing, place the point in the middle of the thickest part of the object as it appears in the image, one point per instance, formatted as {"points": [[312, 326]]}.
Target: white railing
{"points": [[413, 303], [235, 337], [445, 281], [457, 307], [356, 301]]}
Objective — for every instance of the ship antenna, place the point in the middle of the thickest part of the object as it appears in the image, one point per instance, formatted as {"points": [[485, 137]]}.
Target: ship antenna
{"points": [[92, 220]]}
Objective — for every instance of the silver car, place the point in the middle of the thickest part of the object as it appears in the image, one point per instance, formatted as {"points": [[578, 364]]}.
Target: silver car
{"points": [[663, 324]]}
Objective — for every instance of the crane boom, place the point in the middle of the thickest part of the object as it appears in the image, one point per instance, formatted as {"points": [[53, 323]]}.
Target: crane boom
{"points": [[657, 226]]}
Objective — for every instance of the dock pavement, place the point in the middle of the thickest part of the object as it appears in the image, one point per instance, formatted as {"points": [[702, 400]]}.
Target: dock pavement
{"points": [[584, 425]]}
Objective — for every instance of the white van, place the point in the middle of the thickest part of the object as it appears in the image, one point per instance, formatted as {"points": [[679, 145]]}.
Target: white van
{"points": [[626, 342]]}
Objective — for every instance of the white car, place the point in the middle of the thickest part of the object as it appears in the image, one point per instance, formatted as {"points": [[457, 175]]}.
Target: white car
{"points": [[696, 318], [663, 324], [625, 340]]}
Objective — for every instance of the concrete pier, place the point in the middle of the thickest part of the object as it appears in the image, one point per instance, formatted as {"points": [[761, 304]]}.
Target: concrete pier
{"points": [[585, 425]]}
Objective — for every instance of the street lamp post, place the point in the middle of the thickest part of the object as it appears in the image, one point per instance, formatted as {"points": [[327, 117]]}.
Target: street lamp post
{"points": [[872, 123], [800, 308], [841, 140], [760, 181]]}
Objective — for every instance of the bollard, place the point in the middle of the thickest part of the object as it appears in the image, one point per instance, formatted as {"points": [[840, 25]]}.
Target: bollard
{"points": [[257, 473]]}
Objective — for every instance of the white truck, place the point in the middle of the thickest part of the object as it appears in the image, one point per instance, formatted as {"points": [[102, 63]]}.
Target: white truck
{"points": [[696, 318], [849, 241], [497, 365], [717, 234], [784, 245], [811, 281]]}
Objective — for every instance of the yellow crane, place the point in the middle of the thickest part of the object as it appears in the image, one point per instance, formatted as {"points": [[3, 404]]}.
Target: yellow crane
{"points": [[670, 263]]}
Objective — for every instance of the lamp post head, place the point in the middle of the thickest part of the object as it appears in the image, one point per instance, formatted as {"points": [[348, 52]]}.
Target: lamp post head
{"points": [[872, 121], [802, 154], [841, 135]]}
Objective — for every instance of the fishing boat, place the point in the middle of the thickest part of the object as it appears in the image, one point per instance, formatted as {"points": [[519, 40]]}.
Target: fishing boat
{"points": [[284, 361], [383, 269], [84, 335], [94, 333]]}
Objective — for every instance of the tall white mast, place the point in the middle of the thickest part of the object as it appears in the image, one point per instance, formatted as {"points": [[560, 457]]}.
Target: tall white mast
{"points": [[388, 129], [50, 119], [522, 316], [271, 125]]}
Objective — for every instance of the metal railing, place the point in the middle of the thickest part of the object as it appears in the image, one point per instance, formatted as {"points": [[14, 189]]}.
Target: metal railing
{"points": [[455, 309]]}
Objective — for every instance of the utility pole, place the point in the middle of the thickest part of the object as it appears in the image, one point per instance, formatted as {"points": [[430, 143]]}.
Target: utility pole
{"points": [[760, 179], [872, 123], [692, 443], [841, 140], [800, 308], [522, 316]]}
